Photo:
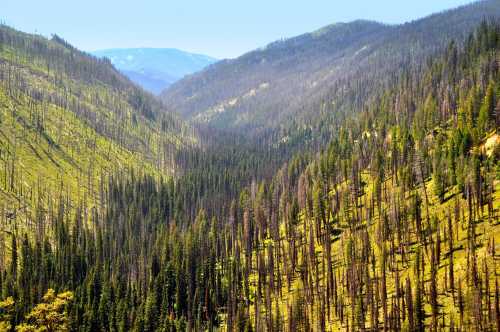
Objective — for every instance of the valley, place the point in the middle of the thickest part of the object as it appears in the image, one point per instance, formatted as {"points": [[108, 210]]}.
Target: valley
{"points": [[346, 179]]}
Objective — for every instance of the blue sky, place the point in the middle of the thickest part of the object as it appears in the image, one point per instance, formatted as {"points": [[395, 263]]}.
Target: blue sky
{"points": [[219, 28]]}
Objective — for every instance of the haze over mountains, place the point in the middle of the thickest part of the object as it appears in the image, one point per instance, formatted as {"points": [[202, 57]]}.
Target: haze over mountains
{"points": [[155, 69], [294, 78]]}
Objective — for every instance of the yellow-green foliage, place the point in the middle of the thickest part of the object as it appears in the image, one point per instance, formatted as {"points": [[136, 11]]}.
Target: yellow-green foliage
{"points": [[67, 157], [61, 136], [50, 315], [6, 310], [488, 231]]}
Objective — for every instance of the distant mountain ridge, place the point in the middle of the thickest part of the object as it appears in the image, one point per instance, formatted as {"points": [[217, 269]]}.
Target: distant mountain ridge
{"points": [[155, 69], [329, 70]]}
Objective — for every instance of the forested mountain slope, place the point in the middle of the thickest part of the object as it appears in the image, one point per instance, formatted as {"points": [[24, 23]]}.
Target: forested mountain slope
{"points": [[301, 81], [393, 226], [67, 119]]}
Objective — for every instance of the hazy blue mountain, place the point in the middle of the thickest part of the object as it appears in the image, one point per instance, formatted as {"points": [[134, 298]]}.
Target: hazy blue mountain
{"points": [[155, 68]]}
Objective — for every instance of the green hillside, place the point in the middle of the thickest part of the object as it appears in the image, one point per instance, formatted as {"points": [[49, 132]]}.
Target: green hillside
{"points": [[395, 226], [67, 120], [135, 223]]}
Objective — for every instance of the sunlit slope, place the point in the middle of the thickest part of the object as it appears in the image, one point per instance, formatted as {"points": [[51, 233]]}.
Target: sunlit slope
{"points": [[68, 119], [395, 224], [299, 298]]}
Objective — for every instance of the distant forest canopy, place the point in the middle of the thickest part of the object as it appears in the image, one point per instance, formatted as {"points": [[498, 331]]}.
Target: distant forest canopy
{"points": [[135, 220]]}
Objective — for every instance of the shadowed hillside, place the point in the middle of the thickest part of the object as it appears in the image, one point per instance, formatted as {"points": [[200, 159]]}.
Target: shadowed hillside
{"points": [[332, 70]]}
